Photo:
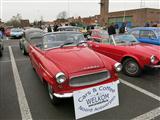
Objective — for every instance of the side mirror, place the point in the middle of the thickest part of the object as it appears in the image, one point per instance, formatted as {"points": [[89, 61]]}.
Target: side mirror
{"points": [[39, 45]]}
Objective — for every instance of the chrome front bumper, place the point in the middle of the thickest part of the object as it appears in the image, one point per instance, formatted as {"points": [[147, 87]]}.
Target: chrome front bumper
{"points": [[69, 95], [153, 66], [65, 95]]}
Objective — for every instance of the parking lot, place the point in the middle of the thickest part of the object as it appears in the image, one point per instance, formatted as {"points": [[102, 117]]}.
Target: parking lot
{"points": [[139, 97]]}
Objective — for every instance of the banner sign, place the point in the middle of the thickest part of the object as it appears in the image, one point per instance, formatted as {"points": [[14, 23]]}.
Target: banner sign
{"points": [[95, 99]]}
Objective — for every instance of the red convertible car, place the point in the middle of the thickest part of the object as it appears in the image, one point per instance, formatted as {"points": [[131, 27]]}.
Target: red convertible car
{"points": [[66, 64], [133, 55]]}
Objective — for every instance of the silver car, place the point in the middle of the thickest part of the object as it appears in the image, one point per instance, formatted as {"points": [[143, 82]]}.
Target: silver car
{"points": [[27, 37]]}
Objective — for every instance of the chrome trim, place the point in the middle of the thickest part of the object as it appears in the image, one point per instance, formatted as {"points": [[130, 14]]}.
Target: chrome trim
{"points": [[88, 74], [152, 57], [118, 65], [80, 84], [153, 66], [45, 70], [65, 95]]}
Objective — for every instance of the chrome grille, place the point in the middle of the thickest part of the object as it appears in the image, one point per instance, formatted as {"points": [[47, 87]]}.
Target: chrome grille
{"points": [[89, 79]]}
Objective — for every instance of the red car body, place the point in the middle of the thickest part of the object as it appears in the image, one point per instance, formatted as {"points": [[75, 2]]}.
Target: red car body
{"points": [[7, 32], [139, 52], [75, 62]]}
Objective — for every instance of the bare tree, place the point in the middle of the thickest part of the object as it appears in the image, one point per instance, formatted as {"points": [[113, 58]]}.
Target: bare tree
{"points": [[62, 15], [15, 21]]}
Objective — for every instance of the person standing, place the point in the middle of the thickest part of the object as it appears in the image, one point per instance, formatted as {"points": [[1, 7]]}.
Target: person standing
{"points": [[122, 28], [49, 29], [111, 29], [117, 28], [55, 28]]}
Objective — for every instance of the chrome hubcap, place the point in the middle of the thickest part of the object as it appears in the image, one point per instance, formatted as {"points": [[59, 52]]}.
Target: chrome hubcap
{"points": [[132, 68]]}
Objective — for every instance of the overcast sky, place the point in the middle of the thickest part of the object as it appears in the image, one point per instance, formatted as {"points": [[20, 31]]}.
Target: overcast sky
{"points": [[49, 9]]}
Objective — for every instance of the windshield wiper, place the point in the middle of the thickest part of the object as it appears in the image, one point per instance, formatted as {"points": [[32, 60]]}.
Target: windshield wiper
{"points": [[67, 43]]}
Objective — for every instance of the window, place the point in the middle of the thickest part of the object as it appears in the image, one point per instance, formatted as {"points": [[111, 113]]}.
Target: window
{"points": [[147, 34], [135, 33], [58, 39], [152, 35]]}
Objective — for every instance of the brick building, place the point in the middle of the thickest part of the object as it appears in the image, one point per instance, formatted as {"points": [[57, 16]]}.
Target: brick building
{"points": [[135, 17], [25, 23]]}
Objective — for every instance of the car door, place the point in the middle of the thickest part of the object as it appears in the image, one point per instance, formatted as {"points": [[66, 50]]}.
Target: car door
{"points": [[110, 50]]}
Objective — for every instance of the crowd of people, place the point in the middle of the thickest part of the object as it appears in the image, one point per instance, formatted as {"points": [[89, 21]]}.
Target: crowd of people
{"points": [[115, 29]]}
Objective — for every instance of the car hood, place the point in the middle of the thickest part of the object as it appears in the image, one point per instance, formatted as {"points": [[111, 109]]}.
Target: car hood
{"points": [[146, 48], [75, 59]]}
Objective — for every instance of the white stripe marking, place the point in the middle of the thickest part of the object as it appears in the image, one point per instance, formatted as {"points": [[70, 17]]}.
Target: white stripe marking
{"points": [[149, 115], [141, 90], [23, 104]]}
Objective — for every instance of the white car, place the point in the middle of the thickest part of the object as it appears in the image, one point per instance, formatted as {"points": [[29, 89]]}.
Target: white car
{"points": [[16, 33]]}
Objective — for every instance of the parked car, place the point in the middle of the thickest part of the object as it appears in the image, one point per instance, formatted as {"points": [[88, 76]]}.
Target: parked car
{"points": [[147, 34], [16, 33], [66, 64], [69, 28], [1, 47], [98, 34], [27, 37], [7, 32], [133, 55]]}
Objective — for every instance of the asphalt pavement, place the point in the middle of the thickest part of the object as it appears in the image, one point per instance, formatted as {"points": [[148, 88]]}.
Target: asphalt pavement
{"points": [[139, 97]]}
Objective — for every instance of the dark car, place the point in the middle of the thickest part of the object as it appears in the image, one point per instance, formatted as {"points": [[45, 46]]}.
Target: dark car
{"points": [[28, 35]]}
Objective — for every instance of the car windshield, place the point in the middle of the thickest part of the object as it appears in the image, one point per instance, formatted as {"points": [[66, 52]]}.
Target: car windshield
{"points": [[16, 30], [69, 29], [124, 39], [104, 34], [62, 39]]}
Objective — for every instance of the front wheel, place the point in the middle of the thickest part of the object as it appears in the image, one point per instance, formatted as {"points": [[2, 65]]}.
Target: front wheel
{"points": [[20, 45], [53, 99], [131, 67], [23, 50]]}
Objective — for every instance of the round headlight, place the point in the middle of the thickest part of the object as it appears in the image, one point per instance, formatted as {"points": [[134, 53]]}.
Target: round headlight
{"points": [[153, 59], [60, 77], [118, 67]]}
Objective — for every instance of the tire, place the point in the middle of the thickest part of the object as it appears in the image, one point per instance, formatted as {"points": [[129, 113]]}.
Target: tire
{"points": [[23, 50], [1, 53], [53, 99], [20, 45], [131, 68]]}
